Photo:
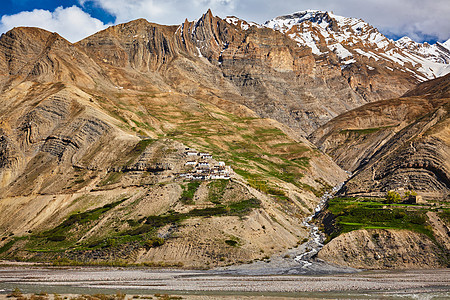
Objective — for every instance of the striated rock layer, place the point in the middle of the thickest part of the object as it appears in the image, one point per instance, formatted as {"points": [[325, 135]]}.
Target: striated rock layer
{"points": [[399, 144]]}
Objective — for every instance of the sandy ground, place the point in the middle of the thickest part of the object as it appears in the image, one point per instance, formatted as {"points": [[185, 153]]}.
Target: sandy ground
{"points": [[434, 284]]}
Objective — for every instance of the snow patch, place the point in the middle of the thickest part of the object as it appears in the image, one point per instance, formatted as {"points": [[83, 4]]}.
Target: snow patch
{"points": [[340, 51]]}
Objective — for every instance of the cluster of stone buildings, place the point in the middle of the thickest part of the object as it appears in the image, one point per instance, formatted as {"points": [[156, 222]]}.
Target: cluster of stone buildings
{"points": [[202, 167]]}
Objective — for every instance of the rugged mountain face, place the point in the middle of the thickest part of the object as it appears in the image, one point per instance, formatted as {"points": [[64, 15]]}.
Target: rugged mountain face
{"points": [[439, 52], [34, 54], [358, 44], [399, 144]]}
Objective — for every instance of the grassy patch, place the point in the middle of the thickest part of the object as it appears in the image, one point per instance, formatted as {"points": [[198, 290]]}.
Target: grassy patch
{"points": [[113, 177], [65, 235], [352, 214], [187, 197], [240, 209], [138, 149], [365, 130], [7, 246], [217, 190]]}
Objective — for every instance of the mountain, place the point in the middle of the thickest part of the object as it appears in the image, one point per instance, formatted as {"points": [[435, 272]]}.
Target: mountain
{"points": [[97, 138], [358, 44], [399, 147], [439, 53], [94, 139], [394, 144]]}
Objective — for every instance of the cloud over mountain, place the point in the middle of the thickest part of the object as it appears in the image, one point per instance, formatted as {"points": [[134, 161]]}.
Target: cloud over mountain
{"points": [[72, 22]]}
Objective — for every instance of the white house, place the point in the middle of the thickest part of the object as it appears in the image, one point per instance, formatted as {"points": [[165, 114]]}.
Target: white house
{"points": [[203, 164]]}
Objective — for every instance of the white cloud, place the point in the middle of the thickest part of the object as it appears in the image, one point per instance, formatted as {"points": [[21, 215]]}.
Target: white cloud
{"points": [[71, 23], [167, 12], [417, 18]]}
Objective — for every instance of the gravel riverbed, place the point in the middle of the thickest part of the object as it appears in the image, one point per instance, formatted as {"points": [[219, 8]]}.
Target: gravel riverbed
{"points": [[432, 284]]}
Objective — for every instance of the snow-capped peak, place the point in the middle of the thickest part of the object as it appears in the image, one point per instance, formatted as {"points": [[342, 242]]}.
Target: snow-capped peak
{"points": [[288, 21], [321, 30], [436, 53], [405, 40], [353, 40], [241, 23], [446, 44]]}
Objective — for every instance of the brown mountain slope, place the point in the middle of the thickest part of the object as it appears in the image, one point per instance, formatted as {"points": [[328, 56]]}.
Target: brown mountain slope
{"points": [[394, 144], [34, 54], [90, 165], [260, 68]]}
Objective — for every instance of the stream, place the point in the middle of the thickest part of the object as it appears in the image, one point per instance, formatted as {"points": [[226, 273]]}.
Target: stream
{"points": [[316, 238]]}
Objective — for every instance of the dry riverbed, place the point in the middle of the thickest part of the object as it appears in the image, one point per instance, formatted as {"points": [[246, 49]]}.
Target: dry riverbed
{"points": [[71, 281]]}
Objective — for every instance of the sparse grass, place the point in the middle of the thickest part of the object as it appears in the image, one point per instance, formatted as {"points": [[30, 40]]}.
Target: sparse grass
{"points": [[240, 209], [365, 130], [217, 190], [187, 197], [112, 178], [64, 235], [138, 149], [7, 246]]}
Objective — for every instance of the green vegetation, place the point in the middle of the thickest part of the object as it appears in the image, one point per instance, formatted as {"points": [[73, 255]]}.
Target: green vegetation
{"points": [[187, 197], [231, 243], [154, 242], [240, 209], [393, 197], [61, 232], [365, 131], [112, 178], [217, 190], [352, 214], [138, 150], [66, 234], [7, 246], [247, 144], [444, 215]]}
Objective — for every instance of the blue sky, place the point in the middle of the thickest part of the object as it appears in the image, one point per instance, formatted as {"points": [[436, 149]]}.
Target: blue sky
{"points": [[422, 20]]}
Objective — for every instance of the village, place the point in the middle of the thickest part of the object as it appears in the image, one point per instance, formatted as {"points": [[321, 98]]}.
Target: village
{"points": [[202, 167]]}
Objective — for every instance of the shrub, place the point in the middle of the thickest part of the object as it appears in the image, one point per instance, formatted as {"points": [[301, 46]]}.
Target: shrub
{"points": [[393, 197], [231, 243], [56, 238], [154, 242]]}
